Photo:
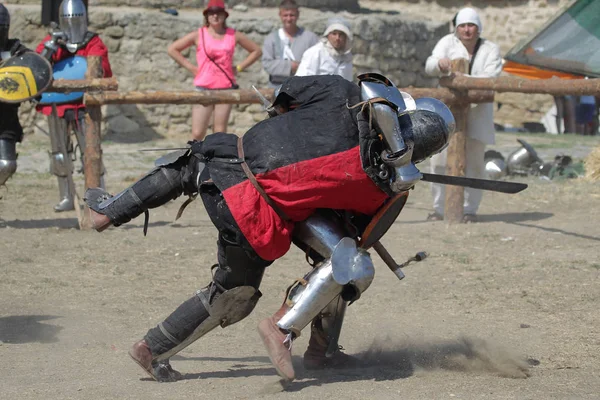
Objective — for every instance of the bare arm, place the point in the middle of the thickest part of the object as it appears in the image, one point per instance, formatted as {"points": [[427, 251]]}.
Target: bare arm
{"points": [[251, 47], [181, 44]]}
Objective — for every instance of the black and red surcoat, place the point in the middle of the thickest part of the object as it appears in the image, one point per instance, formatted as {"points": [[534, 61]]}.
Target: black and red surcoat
{"points": [[315, 156]]}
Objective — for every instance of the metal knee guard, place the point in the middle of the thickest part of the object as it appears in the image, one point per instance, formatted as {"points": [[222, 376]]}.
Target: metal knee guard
{"points": [[8, 159]]}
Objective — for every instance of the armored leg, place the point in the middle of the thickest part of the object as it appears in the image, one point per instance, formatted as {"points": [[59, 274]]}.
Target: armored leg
{"points": [[8, 159], [61, 156], [180, 175], [323, 349], [346, 274], [230, 297]]}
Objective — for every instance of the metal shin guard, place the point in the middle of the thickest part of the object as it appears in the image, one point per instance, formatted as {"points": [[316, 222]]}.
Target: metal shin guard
{"points": [[61, 164], [8, 159], [228, 308], [348, 272]]}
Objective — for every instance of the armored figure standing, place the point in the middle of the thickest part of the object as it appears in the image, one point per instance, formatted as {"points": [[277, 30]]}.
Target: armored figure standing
{"points": [[11, 131], [333, 155], [74, 39]]}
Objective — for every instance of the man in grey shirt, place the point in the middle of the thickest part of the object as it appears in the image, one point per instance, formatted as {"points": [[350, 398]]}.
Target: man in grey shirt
{"points": [[283, 48]]}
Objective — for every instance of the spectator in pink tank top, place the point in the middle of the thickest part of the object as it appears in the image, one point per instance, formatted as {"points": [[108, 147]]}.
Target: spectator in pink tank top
{"points": [[215, 45]]}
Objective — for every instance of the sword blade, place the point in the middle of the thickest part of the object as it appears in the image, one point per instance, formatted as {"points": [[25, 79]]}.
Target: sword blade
{"points": [[266, 103], [483, 184], [164, 149]]}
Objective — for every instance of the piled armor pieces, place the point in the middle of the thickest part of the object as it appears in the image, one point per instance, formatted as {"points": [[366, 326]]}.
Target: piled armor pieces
{"points": [[525, 161]]}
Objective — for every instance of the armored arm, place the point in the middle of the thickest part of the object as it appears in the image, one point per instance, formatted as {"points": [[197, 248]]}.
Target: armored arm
{"points": [[52, 45]]}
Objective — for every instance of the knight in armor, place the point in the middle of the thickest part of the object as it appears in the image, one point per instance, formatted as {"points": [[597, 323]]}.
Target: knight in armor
{"points": [[11, 131], [65, 119], [330, 157]]}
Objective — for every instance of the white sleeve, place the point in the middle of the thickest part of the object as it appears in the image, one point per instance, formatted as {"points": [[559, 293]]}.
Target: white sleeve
{"points": [[493, 63], [439, 51], [309, 65]]}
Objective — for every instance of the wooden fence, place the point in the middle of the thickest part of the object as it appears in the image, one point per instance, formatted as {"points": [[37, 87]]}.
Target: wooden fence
{"points": [[458, 92]]}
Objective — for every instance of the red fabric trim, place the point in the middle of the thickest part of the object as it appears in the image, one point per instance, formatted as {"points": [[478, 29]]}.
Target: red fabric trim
{"points": [[336, 181]]}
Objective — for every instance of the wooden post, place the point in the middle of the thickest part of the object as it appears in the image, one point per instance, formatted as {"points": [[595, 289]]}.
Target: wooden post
{"points": [[92, 154], [456, 162]]}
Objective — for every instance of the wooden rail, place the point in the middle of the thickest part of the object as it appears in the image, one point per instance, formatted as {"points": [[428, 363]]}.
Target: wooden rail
{"points": [[245, 96], [458, 91]]}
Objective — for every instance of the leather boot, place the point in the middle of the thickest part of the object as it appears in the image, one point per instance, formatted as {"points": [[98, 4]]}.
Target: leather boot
{"points": [[273, 338], [160, 372], [66, 195], [315, 356], [95, 196]]}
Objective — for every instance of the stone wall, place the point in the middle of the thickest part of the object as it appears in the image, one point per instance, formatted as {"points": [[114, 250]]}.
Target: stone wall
{"points": [[394, 37], [137, 40], [335, 5]]}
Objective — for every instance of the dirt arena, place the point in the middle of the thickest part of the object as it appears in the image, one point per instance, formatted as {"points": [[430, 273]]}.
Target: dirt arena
{"points": [[505, 308]]}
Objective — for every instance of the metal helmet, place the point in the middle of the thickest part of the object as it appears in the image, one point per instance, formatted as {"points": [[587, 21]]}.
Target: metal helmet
{"points": [[521, 161], [495, 165], [4, 26], [438, 107], [72, 19], [430, 128]]}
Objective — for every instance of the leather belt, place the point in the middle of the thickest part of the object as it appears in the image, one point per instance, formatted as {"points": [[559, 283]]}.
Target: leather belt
{"points": [[252, 179]]}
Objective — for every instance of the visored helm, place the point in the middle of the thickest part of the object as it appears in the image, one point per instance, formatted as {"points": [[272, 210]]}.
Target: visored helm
{"points": [[521, 161], [430, 128], [73, 22], [4, 26]]}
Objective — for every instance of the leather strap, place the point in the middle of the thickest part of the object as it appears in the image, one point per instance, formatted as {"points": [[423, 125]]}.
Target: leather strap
{"points": [[255, 183]]}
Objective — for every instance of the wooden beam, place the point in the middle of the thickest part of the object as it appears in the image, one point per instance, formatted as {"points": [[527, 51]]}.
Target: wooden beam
{"points": [[92, 154], [83, 85], [244, 96], [456, 161], [206, 97], [554, 86]]}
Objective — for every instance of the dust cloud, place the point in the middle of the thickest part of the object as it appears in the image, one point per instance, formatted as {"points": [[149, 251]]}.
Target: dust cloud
{"points": [[464, 354]]}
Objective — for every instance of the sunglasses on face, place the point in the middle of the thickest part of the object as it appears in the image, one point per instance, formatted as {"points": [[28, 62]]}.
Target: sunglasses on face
{"points": [[215, 12]]}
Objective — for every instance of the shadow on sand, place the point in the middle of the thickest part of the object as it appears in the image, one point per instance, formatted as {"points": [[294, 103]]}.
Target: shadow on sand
{"points": [[18, 329], [383, 361]]}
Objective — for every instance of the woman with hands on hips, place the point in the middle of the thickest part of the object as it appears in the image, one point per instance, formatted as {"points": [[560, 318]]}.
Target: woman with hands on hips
{"points": [[215, 46]]}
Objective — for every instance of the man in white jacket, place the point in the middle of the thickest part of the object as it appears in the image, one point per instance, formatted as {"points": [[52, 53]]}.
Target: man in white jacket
{"points": [[332, 55], [485, 61]]}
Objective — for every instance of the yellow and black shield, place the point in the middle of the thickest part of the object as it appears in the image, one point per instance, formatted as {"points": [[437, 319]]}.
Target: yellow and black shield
{"points": [[24, 77]]}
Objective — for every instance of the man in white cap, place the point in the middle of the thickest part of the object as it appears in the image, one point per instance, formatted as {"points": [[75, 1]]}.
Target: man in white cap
{"points": [[332, 55], [484, 61]]}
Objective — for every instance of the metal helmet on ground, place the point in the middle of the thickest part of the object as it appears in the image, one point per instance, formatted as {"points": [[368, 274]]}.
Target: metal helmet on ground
{"points": [[4, 26], [521, 161], [495, 165], [72, 18]]}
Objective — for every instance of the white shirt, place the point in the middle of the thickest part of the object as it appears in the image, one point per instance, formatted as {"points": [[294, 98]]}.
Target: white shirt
{"points": [[488, 64], [322, 59]]}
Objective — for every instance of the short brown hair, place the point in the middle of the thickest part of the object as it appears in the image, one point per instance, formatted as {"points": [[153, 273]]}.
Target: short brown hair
{"points": [[288, 5]]}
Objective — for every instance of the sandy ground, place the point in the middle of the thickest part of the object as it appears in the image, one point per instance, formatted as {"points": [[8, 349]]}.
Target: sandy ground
{"points": [[515, 295]]}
